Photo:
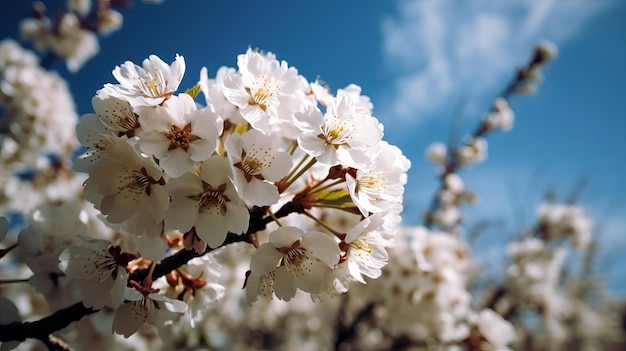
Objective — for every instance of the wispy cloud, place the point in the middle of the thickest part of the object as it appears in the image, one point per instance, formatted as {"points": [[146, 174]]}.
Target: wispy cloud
{"points": [[441, 50]]}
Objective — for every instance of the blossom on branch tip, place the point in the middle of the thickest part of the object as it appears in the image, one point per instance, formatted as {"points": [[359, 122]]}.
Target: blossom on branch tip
{"points": [[365, 250], [502, 116], [378, 186], [342, 135], [259, 87], [149, 85], [213, 92], [301, 260]]}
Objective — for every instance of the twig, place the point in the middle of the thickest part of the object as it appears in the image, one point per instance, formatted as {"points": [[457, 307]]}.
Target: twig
{"points": [[41, 329]]}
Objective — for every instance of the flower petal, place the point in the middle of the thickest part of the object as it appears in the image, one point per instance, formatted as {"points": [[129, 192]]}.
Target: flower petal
{"points": [[264, 259]]}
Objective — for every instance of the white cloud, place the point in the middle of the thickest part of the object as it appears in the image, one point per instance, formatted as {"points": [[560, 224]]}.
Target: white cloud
{"points": [[440, 50]]}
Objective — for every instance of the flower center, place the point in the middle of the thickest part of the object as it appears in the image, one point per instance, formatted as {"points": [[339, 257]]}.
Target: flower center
{"points": [[213, 199], [262, 90], [337, 131], [361, 247], [134, 181], [180, 137], [295, 259], [122, 119], [374, 183], [152, 84], [256, 160], [137, 182]]}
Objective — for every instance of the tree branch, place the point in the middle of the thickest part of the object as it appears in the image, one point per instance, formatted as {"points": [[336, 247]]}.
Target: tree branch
{"points": [[41, 329]]}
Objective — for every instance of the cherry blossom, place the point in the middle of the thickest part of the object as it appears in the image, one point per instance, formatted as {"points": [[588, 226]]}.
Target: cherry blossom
{"points": [[342, 135], [128, 188], [145, 305], [113, 117], [213, 92], [366, 253], [148, 85], [208, 202], [101, 270], [377, 187], [304, 260], [257, 163], [259, 87], [179, 134]]}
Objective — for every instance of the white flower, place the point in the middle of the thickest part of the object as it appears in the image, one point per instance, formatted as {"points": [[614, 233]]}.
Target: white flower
{"points": [[259, 87], [263, 285], [502, 117], [565, 220], [321, 93], [208, 202], [454, 184], [212, 89], [366, 253], [363, 104], [149, 85], [436, 152], [377, 187], [179, 134], [116, 114], [109, 21], [74, 43], [546, 51], [341, 136], [51, 228], [80, 6], [304, 260], [36, 105], [257, 164], [496, 331], [144, 305], [101, 270], [68, 40], [113, 117], [196, 284], [127, 187], [474, 151]]}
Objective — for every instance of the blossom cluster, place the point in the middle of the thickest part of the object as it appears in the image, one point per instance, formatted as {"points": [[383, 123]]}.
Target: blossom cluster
{"points": [[258, 178], [267, 143], [73, 34], [36, 132]]}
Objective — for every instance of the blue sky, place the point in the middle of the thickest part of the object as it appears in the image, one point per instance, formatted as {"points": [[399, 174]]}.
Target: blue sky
{"points": [[418, 60]]}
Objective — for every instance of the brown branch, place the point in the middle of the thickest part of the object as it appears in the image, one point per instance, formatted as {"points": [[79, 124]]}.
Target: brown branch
{"points": [[346, 333], [43, 328], [523, 77]]}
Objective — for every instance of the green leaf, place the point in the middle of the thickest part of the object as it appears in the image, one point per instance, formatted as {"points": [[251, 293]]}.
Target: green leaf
{"points": [[336, 198], [193, 91]]}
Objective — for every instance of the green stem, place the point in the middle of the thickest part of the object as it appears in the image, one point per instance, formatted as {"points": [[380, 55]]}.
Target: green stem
{"points": [[300, 173], [300, 163], [317, 189], [336, 233]]}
